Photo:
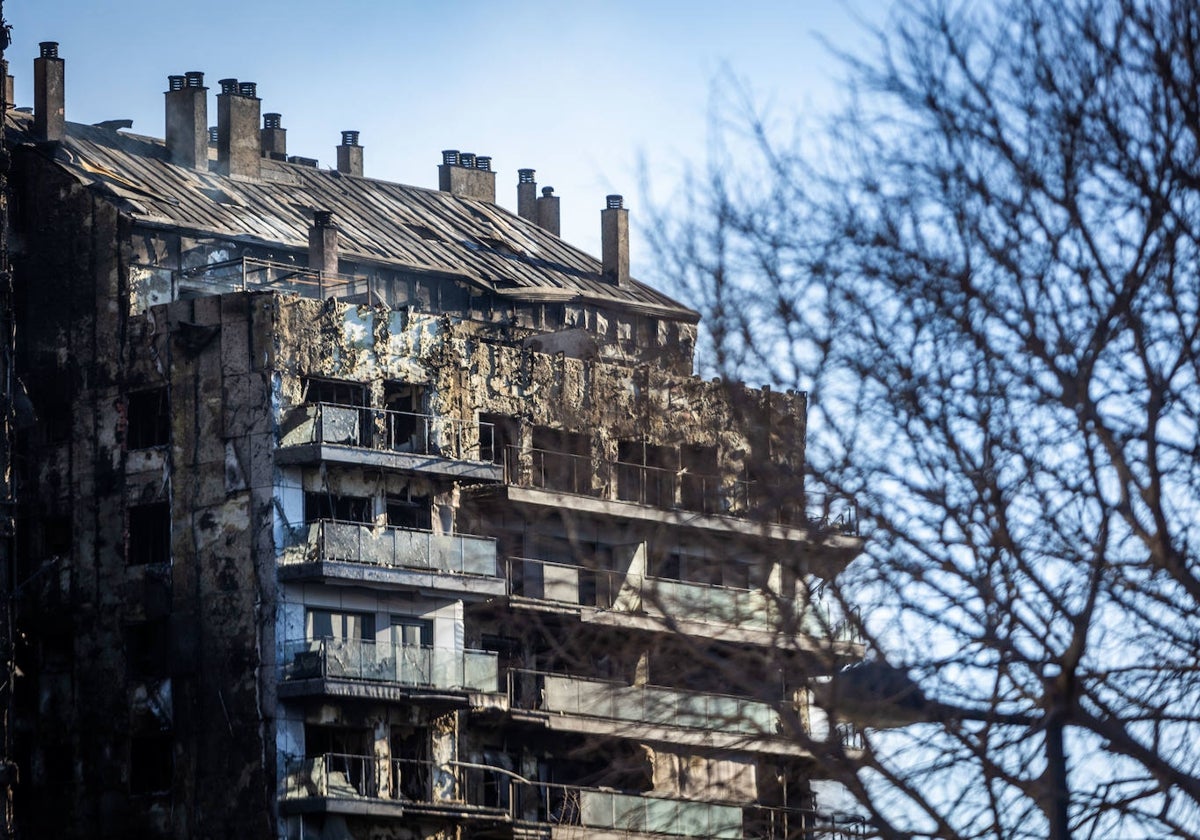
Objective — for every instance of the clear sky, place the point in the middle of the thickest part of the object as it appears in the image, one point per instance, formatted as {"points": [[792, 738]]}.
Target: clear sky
{"points": [[580, 91]]}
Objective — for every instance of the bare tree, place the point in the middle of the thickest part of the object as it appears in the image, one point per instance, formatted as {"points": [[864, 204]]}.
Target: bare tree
{"points": [[987, 280]]}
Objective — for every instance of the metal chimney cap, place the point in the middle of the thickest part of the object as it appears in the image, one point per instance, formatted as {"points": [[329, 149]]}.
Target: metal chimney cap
{"points": [[248, 89], [272, 120], [614, 202], [547, 192], [49, 49], [323, 218], [228, 86], [525, 176], [175, 82], [350, 138], [484, 162], [450, 157]]}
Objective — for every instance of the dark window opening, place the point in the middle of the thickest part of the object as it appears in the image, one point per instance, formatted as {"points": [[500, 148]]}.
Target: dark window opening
{"points": [[700, 485], [646, 473], [151, 763], [149, 534], [409, 512], [408, 428], [334, 391], [561, 460], [498, 435], [341, 508], [57, 535], [148, 419], [411, 765], [346, 753], [147, 646]]}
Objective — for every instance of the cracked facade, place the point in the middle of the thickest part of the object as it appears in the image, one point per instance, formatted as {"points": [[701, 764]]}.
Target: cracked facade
{"points": [[361, 510]]}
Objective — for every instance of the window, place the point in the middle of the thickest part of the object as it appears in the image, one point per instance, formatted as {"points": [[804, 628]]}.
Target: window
{"points": [[334, 391], [409, 512], [561, 460], [149, 539], [148, 419], [408, 430], [498, 434], [411, 632], [341, 508], [647, 473], [341, 626], [146, 648]]}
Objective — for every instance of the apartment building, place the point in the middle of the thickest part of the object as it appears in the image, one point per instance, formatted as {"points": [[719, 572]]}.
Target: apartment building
{"points": [[360, 510]]}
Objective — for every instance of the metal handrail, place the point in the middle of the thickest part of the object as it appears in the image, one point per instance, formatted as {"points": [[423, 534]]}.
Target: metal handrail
{"points": [[392, 546], [390, 662], [405, 431]]}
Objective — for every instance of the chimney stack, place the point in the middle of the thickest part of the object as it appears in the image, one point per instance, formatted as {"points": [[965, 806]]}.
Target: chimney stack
{"points": [[350, 154], [239, 144], [467, 175], [526, 195], [323, 243], [49, 94], [274, 137], [187, 120], [547, 211], [614, 240]]}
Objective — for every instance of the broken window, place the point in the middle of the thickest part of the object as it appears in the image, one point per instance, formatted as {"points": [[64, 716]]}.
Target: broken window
{"points": [[699, 480], [408, 427], [409, 512], [340, 508], [348, 767], [335, 391], [149, 538], [148, 419], [151, 763], [561, 460], [647, 473], [498, 435]]}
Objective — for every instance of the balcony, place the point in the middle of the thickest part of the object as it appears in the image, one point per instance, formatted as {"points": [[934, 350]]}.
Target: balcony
{"points": [[354, 552], [675, 489], [398, 440], [397, 788], [652, 603], [384, 670]]}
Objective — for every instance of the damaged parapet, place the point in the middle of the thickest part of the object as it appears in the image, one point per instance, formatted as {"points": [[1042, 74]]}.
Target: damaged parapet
{"points": [[467, 175], [274, 137], [614, 241], [350, 155], [323, 243], [49, 94], [187, 120], [239, 146]]}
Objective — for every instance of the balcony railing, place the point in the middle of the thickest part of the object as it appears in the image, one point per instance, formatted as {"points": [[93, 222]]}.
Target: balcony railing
{"points": [[642, 704], [674, 600], [675, 489], [400, 548], [395, 431], [494, 792], [408, 665]]}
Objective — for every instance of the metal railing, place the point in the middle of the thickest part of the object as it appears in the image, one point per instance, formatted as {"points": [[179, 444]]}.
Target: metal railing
{"points": [[391, 547], [657, 705], [676, 489], [408, 665], [674, 600], [395, 431], [247, 273], [497, 791]]}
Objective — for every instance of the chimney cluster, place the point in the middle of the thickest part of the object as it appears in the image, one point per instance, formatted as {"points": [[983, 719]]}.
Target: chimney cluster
{"points": [[467, 175], [542, 211], [241, 146]]}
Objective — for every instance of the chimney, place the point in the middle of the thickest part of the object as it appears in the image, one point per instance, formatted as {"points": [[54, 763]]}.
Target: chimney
{"points": [[467, 175], [239, 146], [213, 134], [9, 97], [274, 138], [526, 195], [323, 243], [187, 120], [49, 94], [547, 211], [350, 155], [614, 240]]}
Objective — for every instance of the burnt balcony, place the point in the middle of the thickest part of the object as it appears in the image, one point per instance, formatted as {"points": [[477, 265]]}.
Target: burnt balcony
{"points": [[390, 787], [632, 599], [355, 552], [382, 788], [399, 440], [555, 472], [358, 667]]}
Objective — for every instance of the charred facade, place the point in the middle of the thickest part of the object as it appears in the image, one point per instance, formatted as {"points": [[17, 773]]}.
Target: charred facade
{"points": [[355, 509]]}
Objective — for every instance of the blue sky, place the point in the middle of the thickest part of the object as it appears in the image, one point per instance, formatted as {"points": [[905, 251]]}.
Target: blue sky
{"points": [[582, 91]]}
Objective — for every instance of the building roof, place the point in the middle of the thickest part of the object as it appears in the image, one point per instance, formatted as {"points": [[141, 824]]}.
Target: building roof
{"points": [[403, 227]]}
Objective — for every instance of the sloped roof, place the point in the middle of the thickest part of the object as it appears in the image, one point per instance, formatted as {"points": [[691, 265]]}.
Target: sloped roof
{"points": [[393, 224]]}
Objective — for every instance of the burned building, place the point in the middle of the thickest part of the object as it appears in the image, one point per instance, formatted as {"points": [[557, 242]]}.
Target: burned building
{"points": [[355, 509]]}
